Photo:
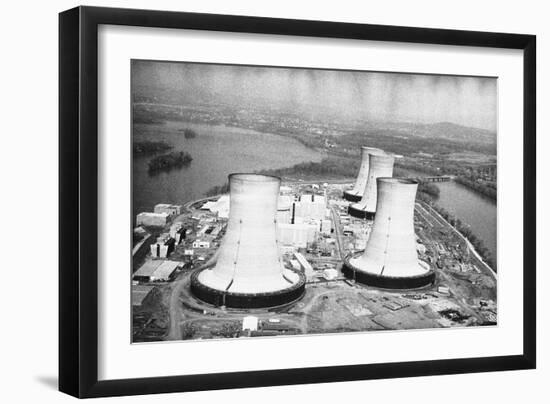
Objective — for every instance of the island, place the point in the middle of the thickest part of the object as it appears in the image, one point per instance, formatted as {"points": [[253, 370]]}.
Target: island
{"points": [[188, 133], [168, 162]]}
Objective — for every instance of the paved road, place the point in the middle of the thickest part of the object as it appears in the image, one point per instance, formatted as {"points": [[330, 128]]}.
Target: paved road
{"points": [[337, 230], [175, 310]]}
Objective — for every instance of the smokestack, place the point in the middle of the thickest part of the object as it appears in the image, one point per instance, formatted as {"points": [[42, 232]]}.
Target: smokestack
{"points": [[390, 259], [356, 193], [249, 271], [380, 165]]}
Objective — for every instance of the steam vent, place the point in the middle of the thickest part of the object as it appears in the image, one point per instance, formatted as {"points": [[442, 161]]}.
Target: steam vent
{"points": [[390, 259], [380, 165], [249, 271], [356, 193]]}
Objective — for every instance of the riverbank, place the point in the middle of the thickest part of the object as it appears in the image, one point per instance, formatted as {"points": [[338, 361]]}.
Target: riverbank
{"points": [[468, 243], [482, 189], [217, 151]]}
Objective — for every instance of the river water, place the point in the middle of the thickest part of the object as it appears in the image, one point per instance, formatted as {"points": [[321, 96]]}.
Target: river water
{"points": [[473, 209], [217, 151]]}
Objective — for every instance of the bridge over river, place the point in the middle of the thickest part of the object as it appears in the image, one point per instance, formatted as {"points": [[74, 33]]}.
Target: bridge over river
{"points": [[435, 178]]}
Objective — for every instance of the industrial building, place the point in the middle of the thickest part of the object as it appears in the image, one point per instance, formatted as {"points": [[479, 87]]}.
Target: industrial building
{"points": [[177, 232], [380, 165], [171, 210], [356, 193], [152, 219], [300, 222], [285, 206], [248, 271], [309, 207], [299, 234], [163, 246], [304, 264], [325, 226], [156, 270], [390, 259], [221, 206]]}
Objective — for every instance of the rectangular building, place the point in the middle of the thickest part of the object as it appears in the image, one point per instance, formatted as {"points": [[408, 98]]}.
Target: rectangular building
{"points": [[298, 235], [152, 219], [306, 266], [171, 210], [156, 270]]}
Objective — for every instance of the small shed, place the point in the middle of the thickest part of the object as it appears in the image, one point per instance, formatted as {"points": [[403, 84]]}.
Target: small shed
{"points": [[250, 323]]}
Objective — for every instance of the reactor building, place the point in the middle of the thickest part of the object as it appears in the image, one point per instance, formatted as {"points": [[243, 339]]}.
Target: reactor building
{"points": [[248, 271], [390, 259], [356, 193], [380, 165]]}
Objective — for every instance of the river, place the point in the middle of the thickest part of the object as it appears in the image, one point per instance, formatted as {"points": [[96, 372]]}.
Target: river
{"points": [[473, 209], [217, 151]]}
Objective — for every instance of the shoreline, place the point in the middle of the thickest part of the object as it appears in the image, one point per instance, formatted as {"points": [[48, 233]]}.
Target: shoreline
{"points": [[454, 178], [468, 243]]}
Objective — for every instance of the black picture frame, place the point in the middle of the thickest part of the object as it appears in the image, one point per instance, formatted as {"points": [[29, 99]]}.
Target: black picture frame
{"points": [[78, 206]]}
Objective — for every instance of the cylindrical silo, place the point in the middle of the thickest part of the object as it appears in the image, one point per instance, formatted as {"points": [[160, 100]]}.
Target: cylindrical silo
{"points": [[380, 165], [390, 259], [249, 271], [356, 193]]}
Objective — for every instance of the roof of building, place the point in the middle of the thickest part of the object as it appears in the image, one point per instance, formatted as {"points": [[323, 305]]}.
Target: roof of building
{"points": [[165, 269], [284, 202], [208, 205], [302, 260], [250, 323], [153, 214], [221, 206], [166, 205], [148, 268]]}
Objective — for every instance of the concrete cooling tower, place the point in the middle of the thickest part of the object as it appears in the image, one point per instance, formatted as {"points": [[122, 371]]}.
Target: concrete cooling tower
{"points": [[380, 165], [356, 193], [390, 258], [249, 271]]}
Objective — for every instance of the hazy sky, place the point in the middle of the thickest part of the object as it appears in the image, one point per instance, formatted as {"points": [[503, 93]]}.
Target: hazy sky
{"points": [[468, 101]]}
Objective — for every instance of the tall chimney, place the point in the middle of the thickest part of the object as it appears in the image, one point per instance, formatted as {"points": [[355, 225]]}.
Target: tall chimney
{"points": [[249, 271], [390, 259], [380, 165], [356, 193]]}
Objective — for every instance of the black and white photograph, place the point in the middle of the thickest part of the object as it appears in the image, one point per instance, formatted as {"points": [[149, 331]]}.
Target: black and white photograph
{"points": [[276, 201]]}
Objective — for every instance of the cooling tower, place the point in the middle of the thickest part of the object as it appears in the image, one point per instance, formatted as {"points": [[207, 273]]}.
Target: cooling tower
{"points": [[380, 165], [249, 271], [390, 259], [356, 193]]}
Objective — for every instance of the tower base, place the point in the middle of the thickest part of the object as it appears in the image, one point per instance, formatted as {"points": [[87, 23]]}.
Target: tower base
{"points": [[387, 282], [218, 297], [360, 213], [350, 196]]}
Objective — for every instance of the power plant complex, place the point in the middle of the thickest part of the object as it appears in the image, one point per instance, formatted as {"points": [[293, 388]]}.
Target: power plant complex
{"points": [[306, 257], [247, 269]]}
